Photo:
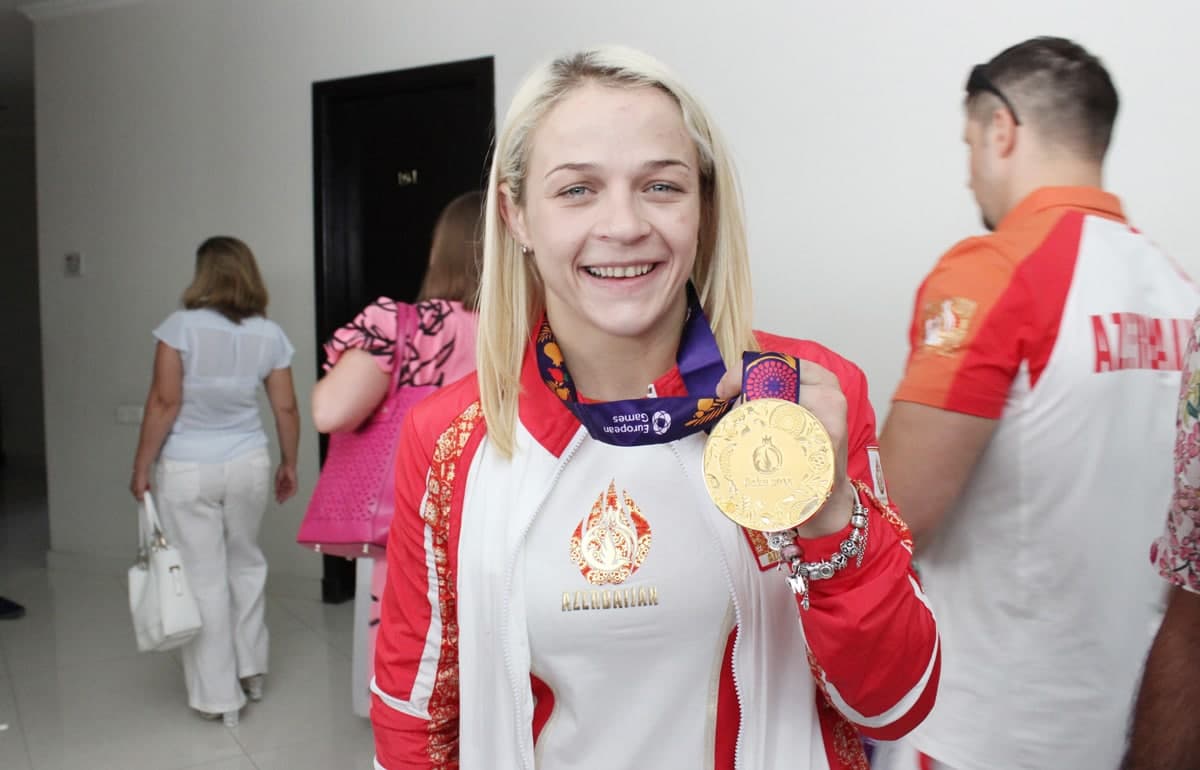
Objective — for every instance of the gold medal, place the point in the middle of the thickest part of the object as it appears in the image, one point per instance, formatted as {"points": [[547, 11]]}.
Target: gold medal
{"points": [[769, 465]]}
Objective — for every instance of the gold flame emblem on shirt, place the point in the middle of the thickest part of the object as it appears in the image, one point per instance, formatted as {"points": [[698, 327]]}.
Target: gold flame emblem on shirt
{"points": [[612, 540], [945, 324]]}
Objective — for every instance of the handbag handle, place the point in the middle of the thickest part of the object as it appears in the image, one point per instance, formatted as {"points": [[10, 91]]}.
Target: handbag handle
{"points": [[150, 534], [408, 324]]}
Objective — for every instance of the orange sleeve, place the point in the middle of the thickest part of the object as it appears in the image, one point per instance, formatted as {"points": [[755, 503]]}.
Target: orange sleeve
{"points": [[963, 356]]}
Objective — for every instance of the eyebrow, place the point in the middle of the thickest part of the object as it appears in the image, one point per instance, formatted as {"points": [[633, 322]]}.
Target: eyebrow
{"points": [[650, 165]]}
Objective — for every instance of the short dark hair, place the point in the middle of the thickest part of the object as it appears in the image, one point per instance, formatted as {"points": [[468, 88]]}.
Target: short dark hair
{"points": [[1059, 87]]}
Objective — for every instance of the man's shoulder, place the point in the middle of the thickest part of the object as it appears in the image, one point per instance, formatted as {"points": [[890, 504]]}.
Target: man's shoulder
{"points": [[1009, 246], [995, 253]]}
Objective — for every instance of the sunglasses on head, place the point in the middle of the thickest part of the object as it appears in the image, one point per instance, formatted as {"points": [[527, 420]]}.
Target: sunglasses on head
{"points": [[979, 81]]}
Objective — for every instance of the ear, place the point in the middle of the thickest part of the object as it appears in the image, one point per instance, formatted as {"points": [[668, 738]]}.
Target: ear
{"points": [[513, 215], [1004, 132]]}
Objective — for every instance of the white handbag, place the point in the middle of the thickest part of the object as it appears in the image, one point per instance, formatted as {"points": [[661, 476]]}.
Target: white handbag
{"points": [[165, 614]]}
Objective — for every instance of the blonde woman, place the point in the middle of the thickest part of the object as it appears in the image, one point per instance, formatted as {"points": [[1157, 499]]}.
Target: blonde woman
{"points": [[213, 479], [562, 593]]}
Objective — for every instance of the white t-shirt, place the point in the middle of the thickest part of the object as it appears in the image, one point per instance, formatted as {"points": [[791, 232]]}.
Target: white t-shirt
{"points": [[628, 584], [223, 364]]}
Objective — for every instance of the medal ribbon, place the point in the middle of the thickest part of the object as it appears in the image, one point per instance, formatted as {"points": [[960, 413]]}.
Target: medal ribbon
{"points": [[643, 421], [770, 375]]}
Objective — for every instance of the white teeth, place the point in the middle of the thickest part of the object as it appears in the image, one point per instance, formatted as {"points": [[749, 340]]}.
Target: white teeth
{"points": [[626, 271]]}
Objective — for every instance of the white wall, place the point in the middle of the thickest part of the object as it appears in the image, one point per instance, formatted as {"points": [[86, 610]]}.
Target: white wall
{"points": [[165, 121]]}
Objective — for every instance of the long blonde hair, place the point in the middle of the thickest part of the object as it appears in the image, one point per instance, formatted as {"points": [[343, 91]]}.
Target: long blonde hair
{"points": [[510, 293]]}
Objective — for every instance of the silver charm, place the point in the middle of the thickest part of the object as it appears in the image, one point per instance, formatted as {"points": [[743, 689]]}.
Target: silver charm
{"points": [[802, 573], [798, 582], [777, 541]]}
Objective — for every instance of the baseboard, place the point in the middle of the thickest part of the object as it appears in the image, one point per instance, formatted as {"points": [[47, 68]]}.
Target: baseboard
{"points": [[281, 584]]}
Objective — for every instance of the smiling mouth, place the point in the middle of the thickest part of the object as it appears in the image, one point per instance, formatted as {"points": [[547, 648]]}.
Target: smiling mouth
{"points": [[619, 271]]}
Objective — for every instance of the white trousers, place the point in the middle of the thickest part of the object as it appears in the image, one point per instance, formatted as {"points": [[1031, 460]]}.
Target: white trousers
{"points": [[211, 513], [360, 661], [371, 579]]}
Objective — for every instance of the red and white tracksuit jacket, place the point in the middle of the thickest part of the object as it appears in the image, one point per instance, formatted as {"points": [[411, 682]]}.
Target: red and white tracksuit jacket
{"points": [[452, 684]]}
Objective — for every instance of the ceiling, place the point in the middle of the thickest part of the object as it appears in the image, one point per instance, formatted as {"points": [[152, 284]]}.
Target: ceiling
{"points": [[16, 69]]}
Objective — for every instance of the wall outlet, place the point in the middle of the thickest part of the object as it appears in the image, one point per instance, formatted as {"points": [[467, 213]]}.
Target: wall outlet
{"points": [[129, 414], [73, 264]]}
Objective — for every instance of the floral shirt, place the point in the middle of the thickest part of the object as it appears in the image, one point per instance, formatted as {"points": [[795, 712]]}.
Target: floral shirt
{"points": [[1177, 552], [432, 342]]}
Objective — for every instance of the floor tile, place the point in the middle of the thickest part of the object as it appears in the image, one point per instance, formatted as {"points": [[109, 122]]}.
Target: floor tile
{"points": [[75, 693], [124, 714], [71, 618], [351, 750], [307, 699], [325, 619], [237, 763], [333, 622], [14, 754]]}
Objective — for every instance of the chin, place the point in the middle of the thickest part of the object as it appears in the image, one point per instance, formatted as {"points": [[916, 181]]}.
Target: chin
{"points": [[628, 322]]}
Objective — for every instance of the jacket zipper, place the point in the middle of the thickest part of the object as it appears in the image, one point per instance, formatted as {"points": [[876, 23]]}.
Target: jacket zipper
{"points": [[737, 615], [510, 571]]}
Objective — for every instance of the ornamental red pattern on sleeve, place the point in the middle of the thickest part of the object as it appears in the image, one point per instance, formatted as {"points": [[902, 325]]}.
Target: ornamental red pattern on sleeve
{"points": [[449, 687]]}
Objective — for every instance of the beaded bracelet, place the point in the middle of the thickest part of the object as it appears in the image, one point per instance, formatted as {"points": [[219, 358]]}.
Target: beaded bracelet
{"points": [[802, 572]]}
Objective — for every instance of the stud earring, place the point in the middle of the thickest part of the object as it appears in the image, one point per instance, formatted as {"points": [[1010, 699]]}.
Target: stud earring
{"points": [[526, 251]]}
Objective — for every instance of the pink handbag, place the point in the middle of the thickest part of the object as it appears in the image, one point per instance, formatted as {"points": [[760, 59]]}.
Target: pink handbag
{"points": [[352, 505]]}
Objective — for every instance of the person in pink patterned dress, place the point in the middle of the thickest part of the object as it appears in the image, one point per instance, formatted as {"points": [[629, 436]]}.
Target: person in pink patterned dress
{"points": [[1164, 734], [362, 356]]}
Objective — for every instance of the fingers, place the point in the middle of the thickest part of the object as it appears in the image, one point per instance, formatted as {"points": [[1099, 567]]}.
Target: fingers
{"points": [[815, 374], [730, 385], [821, 393], [138, 487], [285, 483], [821, 387]]}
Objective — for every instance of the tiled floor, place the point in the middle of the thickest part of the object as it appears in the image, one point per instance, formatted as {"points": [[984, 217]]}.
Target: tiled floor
{"points": [[75, 693]]}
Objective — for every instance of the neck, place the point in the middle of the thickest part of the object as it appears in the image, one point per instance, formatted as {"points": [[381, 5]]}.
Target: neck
{"points": [[610, 368], [1056, 172]]}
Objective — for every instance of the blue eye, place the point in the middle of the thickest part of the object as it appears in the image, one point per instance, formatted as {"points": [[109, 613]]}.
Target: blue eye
{"points": [[574, 192], [663, 187]]}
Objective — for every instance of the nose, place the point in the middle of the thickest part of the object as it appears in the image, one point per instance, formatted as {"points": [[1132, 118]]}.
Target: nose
{"points": [[622, 219]]}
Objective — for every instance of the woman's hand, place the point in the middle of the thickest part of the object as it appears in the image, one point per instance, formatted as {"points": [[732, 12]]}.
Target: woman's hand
{"points": [[285, 482], [139, 485], [820, 393]]}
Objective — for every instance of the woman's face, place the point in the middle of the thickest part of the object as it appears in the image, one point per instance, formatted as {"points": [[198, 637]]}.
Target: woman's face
{"points": [[612, 211]]}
